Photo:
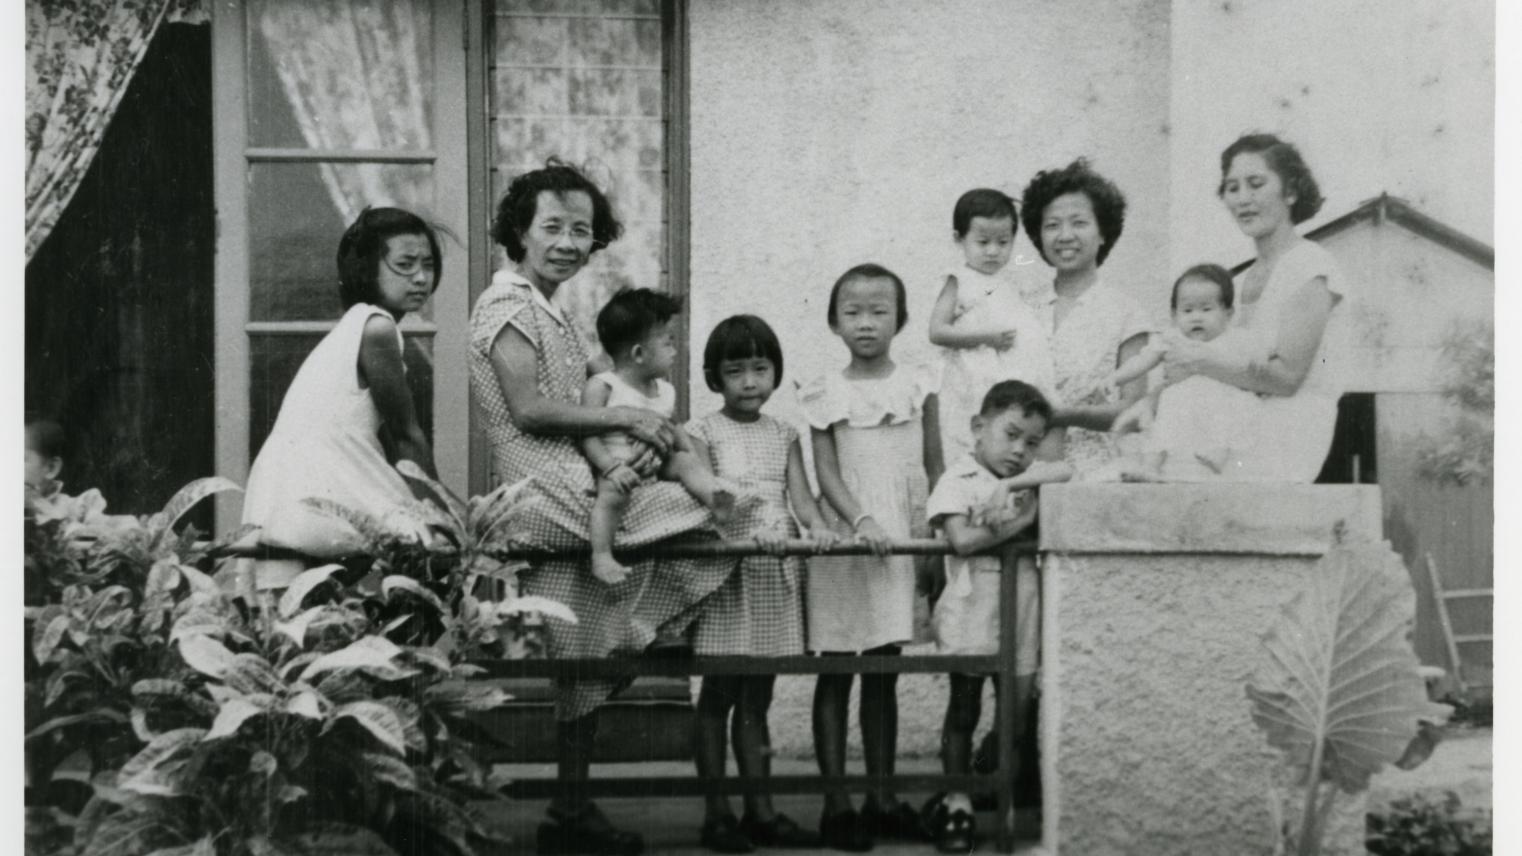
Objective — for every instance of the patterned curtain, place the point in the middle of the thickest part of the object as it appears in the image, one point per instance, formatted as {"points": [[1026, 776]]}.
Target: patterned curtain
{"points": [[357, 77], [80, 56]]}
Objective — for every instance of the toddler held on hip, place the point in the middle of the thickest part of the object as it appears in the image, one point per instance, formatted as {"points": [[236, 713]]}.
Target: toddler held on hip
{"points": [[988, 332], [635, 330], [1195, 426], [984, 502]]}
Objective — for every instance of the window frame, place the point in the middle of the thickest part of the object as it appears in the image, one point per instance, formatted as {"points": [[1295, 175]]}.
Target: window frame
{"points": [[232, 159], [481, 44]]}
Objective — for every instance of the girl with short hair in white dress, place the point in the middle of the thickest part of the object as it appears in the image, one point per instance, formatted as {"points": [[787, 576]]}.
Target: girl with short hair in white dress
{"points": [[988, 332], [758, 610], [876, 448], [327, 440]]}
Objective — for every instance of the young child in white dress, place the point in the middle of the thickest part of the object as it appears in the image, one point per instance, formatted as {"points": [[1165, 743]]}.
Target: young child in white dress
{"points": [[988, 332], [1200, 423], [635, 330], [758, 610], [984, 501], [326, 442], [876, 448]]}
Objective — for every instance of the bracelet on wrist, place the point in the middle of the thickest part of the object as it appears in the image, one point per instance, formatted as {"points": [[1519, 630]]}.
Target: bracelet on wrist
{"points": [[856, 521]]}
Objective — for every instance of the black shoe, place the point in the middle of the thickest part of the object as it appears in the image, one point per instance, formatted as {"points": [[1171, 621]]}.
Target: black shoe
{"points": [[780, 831], [722, 834], [586, 831], [846, 830], [953, 831], [899, 822]]}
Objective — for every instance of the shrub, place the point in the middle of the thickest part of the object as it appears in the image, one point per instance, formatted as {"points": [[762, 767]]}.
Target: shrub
{"points": [[1422, 826]]}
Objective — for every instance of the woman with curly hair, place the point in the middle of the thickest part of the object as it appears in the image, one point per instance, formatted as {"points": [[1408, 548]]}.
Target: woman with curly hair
{"points": [[1074, 216], [1290, 302], [528, 365]]}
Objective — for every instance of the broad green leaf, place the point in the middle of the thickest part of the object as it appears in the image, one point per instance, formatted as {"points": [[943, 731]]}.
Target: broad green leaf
{"points": [[1341, 683], [305, 703], [251, 673], [186, 497], [263, 764], [303, 585], [162, 578], [394, 583], [376, 718], [445, 497], [411, 716], [148, 772], [542, 605], [99, 715], [427, 656], [458, 696], [47, 637], [389, 769], [198, 621], [296, 628], [232, 715], [373, 655], [206, 655], [341, 839], [369, 527], [199, 582], [126, 833]]}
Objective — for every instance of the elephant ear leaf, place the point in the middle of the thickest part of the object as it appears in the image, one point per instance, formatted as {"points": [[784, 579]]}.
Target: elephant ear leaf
{"points": [[1340, 694]]}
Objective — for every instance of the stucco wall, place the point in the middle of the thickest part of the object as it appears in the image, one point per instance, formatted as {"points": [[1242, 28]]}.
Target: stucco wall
{"points": [[828, 134], [1155, 602], [1380, 96]]}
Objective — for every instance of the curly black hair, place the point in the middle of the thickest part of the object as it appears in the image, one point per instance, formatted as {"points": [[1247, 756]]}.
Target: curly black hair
{"points": [[515, 213], [1285, 160], [1077, 177]]}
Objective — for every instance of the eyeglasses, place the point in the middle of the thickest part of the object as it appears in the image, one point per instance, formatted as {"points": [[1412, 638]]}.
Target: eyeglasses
{"points": [[408, 266]]}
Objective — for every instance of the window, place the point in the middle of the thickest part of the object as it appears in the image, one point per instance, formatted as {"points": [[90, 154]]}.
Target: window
{"points": [[323, 109]]}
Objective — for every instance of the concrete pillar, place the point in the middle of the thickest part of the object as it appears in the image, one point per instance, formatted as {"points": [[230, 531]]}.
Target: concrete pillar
{"points": [[1155, 601]]}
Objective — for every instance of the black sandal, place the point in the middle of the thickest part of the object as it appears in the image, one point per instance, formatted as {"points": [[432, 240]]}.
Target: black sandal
{"points": [[899, 822], [846, 830], [953, 831], [587, 830]]}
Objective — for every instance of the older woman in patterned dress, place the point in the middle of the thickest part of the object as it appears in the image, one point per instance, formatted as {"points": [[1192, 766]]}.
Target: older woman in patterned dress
{"points": [[528, 365]]}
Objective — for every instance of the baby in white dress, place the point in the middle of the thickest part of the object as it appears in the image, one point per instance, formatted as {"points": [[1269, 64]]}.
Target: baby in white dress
{"points": [[635, 330], [1200, 423]]}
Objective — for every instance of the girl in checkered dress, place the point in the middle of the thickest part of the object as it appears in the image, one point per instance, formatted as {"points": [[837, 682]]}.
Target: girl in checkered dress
{"points": [[758, 611]]}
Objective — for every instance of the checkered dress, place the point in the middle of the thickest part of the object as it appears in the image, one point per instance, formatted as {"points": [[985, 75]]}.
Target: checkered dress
{"points": [[758, 610], [658, 593]]}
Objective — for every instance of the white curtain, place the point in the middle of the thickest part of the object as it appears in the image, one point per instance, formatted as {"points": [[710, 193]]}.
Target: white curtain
{"points": [[357, 75]]}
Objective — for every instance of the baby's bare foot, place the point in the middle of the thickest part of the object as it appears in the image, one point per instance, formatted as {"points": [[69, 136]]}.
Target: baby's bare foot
{"points": [[607, 569]]}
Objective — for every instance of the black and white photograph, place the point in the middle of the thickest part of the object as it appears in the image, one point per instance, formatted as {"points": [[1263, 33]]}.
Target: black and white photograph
{"points": [[485, 427]]}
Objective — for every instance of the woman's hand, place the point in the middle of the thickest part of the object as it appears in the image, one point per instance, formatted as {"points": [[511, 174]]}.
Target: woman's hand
{"points": [[1183, 357], [870, 533], [624, 477], [646, 427]]}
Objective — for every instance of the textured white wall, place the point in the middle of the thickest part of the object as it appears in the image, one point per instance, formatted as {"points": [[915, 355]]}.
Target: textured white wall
{"points": [[828, 134], [1380, 96]]}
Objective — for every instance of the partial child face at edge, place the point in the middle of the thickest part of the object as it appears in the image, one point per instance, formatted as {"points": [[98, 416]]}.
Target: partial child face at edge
{"points": [[746, 383], [866, 315], [1199, 312], [988, 243], [1005, 443]]}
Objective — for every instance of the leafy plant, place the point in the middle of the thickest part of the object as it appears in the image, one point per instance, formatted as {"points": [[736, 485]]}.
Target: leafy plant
{"points": [[1340, 694], [1422, 826], [1467, 452]]}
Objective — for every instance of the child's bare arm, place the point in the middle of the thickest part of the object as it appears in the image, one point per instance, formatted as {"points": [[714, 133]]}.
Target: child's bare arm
{"points": [[801, 499], [967, 538], [1136, 367], [380, 364], [943, 331], [1039, 473], [827, 468]]}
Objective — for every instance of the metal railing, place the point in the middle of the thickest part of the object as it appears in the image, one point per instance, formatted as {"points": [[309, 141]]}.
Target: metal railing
{"points": [[1000, 782]]}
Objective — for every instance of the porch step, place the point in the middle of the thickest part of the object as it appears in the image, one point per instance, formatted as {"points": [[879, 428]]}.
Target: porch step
{"points": [[649, 721]]}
